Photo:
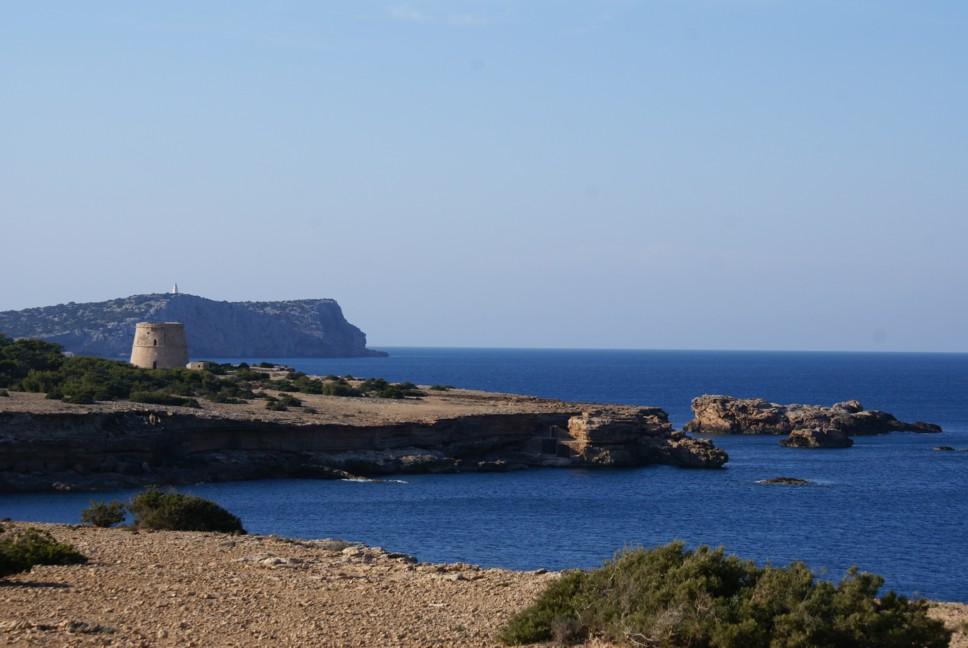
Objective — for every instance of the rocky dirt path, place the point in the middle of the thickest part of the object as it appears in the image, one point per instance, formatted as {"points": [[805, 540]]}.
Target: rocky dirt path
{"points": [[200, 589]]}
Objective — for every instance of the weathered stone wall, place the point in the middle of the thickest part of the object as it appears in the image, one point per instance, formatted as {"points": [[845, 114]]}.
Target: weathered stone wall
{"points": [[159, 345]]}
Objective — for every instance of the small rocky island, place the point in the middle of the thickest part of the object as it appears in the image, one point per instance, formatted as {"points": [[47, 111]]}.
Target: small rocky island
{"points": [[806, 426], [50, 444]]}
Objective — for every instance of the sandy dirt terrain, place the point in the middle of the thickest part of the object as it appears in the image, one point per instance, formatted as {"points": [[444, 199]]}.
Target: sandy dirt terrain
{"points": [[201, 589], [435, 405]]}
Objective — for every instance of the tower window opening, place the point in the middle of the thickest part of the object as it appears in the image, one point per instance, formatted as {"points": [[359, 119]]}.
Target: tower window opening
{"points": [[154, 364], [155, 343]]}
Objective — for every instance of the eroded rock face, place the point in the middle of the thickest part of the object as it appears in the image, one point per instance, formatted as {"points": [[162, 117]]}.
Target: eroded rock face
{"points": [[728, 415], [107, 450], [637, 436], [695, 453]]}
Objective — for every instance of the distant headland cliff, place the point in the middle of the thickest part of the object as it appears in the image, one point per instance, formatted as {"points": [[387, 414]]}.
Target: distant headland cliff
{"points": [[279, 329]]}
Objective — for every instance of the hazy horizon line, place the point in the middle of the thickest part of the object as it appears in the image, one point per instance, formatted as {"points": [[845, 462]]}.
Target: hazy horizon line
{"points": [[388, 347]]}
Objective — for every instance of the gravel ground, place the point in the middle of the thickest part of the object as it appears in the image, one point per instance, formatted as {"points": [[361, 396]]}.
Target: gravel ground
{"points": [[201, 589]]}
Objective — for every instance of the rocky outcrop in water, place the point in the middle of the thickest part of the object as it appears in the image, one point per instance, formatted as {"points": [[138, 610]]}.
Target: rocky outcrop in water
{"points": [[637, 436], [808, 426], [728, 415], [215, 329], [817, 438], [114, 449]]}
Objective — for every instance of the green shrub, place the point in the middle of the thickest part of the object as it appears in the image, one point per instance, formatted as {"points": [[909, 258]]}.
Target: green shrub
{"points": [[19, 357], [289, 400], [252, 376], [409, 389], [4, 393], [341, 388], [21, 550], [171, 511], [275, 405], [162, 398], [669, 597], [103, 514], [373, 384]]}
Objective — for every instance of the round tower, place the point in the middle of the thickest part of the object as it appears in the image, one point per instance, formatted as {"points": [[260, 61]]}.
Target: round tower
{"points": [[159, 345]]}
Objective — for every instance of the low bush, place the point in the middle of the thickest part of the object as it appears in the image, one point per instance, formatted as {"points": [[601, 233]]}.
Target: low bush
{"points": [[22, 549], [171, 511], [340, 388], [380, 388], [441, 387], [275, 405], [289, 400], [103, 514], [4, 393], [668, 597]]}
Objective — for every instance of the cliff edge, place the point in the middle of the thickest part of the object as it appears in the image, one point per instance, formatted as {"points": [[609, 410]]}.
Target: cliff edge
{"points": [[48, 444], [215, 329]]}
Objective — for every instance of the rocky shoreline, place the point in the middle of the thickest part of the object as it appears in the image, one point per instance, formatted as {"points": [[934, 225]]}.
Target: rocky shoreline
{"points": [[203, 589], [52, 445]]}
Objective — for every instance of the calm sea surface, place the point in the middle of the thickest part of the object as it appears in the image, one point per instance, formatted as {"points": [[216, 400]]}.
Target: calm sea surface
{"points": [[890, 504]]}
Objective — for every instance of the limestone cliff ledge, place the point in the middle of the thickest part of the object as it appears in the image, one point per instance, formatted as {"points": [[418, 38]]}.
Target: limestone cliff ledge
{"points": [[51, 445]]}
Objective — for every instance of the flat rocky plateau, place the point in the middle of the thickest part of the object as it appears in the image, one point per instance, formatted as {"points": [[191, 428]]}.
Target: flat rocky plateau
{"points": [[319, 410], [203, 589]]}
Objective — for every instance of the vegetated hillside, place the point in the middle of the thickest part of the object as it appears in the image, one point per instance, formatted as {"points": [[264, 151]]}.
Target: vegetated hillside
{"points": [[297, 328]]}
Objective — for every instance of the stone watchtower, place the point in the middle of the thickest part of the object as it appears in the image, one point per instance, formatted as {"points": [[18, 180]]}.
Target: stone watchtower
{"points": [[159, 345]]}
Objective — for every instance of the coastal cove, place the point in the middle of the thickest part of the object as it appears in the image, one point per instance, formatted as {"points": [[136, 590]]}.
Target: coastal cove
{"points": [[892, 485]]}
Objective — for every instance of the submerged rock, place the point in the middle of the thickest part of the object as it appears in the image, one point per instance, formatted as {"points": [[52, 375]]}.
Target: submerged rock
{"points": [[785, 481], [943, 449]]}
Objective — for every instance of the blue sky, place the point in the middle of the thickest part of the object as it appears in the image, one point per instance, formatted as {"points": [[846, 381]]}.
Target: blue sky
{"points": [[747, 174]]}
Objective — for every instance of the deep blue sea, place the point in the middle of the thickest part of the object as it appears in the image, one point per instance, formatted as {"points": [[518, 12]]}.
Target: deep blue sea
{"points": [[889, 505]]}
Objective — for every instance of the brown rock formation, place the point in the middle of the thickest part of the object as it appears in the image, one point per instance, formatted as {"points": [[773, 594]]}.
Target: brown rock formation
{"points": [[636, 436], [817, 438], [808, 426]]}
